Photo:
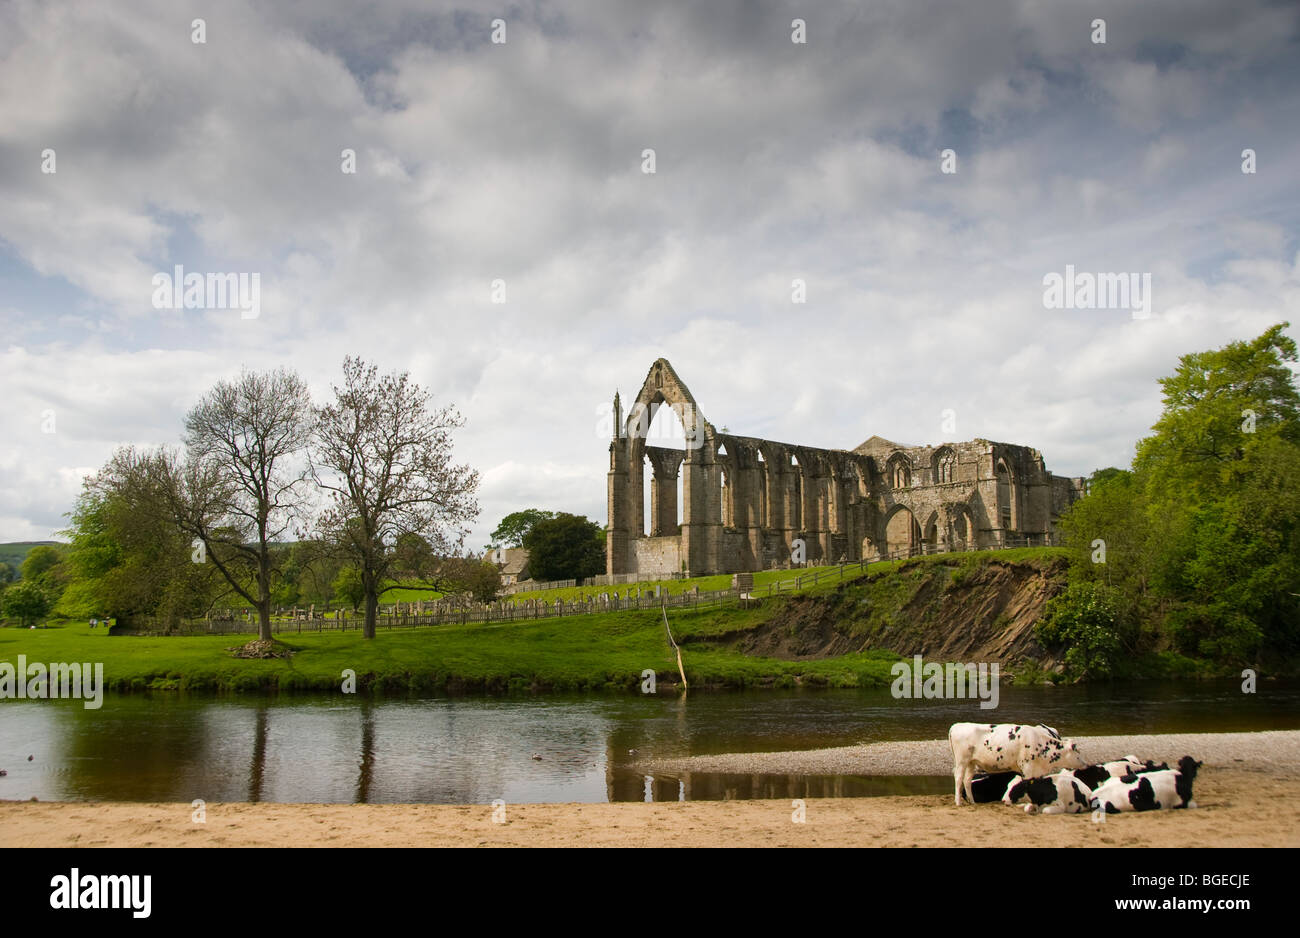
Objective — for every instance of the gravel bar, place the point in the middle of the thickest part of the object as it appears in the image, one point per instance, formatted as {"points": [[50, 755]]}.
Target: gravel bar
{"points": [[1273, 749]]}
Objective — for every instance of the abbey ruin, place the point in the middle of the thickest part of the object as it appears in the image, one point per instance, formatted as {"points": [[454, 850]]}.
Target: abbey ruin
{"points": [[751, 504]]}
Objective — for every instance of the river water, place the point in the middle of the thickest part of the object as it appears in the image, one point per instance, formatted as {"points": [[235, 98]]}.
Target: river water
{"points": [[343, 749]]}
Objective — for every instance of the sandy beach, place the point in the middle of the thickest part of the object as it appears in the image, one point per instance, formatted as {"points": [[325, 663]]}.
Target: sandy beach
{"points": [[1248, 794]]}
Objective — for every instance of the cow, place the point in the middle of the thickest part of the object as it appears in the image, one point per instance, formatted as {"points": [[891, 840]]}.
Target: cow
{"points": [[1125, 766], [1091, 775], [987, 788], [1096, 775], [1161, 789], [1061, 793], [1032, 751]]}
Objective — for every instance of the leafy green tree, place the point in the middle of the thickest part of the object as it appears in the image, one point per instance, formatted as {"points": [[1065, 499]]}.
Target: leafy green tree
{"points": [[515, 526], [126, 558], [1218, 406], [27, 601], [484, 581], [1236, 567], [7, 574], [1202, 537], [1085, 620], [349, 588], [40, 561], [480, 578], [1110, 538], [565, 547]]}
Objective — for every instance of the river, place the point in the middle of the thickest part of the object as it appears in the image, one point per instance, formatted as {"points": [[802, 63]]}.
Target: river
{"points": [[474, 750]]}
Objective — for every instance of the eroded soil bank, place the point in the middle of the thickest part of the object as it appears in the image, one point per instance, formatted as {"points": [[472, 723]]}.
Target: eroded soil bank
{"points": [[978, 611]]}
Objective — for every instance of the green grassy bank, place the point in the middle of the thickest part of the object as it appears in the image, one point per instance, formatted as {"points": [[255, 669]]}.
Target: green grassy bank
{"points": [[574, 653], [881, 611]]}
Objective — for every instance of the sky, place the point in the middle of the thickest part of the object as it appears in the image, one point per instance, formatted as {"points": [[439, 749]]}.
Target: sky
{"points": [[524, 161]]}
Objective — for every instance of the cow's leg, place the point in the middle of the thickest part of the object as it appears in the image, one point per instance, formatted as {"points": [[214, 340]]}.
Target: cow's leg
{"points": [[967, 777], [958, 777]]}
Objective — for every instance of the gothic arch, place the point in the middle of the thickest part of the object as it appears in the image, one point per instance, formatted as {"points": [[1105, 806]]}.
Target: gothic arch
{"points": [[1008, 517], [943, 466], [902, 533], [898, 471]]}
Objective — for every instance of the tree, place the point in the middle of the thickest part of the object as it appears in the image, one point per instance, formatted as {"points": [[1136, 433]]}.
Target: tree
{"points": [[383, 456], [1085, 620], [476, 576], [40, 561], [483, 580], [1202, 537], [566, 547], [25, 601], [514, 527], [6, 574], [239, 490], [348, 587], [1218, 406], [126, 557]]}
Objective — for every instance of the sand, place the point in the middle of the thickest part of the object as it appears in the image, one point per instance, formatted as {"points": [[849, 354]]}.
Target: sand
{"points": [[1274, 749], [1246, 803]]}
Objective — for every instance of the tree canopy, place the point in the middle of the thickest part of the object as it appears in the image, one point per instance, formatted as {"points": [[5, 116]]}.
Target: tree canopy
{"points": [[1200, 540], [383, 457], [514, 527], [565, 547]]}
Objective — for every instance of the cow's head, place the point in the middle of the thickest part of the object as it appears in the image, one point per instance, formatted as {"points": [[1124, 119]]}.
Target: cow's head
{"points": [[1071, 758], [1017, 788]]}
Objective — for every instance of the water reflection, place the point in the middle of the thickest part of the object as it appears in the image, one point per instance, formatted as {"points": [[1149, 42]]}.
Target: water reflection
{"points": [[367, 752], [257, 769]]}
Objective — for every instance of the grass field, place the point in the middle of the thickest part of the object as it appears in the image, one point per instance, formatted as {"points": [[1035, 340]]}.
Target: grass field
{"points": [[590, 652]]}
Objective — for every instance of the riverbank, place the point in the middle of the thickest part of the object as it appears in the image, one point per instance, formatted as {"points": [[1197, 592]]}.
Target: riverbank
{"points": [[1274, 750], [1237, 808]]}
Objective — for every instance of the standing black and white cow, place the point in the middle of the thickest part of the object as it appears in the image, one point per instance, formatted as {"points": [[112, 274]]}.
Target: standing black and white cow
{"points": [[1032, 751]]}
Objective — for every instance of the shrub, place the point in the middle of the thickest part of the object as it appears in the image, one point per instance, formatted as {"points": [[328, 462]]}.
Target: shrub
{"points": [[1085, 621]]}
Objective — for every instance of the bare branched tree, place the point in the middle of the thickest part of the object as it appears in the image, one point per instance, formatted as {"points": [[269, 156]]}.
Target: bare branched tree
{"points": [[383, 455], [240, 486]]}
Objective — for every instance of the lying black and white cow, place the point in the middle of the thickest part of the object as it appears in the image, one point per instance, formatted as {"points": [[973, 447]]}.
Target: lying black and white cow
{"points": [[1096, 775], [1159, 790], [1032, 751], [987, 788], [1060, 793]]}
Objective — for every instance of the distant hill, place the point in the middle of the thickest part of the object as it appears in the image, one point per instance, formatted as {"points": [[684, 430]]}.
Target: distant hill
{"points": [[15, 552]]}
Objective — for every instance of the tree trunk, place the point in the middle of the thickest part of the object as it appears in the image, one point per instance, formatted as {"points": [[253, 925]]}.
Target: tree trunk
{"points": [[264, 620], [372, 608], [264, 591]]}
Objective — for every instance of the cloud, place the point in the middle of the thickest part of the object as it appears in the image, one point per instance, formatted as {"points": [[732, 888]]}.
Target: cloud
{"points": [[522, 162]]}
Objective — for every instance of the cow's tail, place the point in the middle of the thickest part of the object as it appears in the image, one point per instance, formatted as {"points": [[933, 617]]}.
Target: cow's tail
{"points": [[952, 748]]}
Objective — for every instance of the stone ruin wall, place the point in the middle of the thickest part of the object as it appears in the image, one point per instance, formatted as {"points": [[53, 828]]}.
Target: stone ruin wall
{"points": [[747, 500]]}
